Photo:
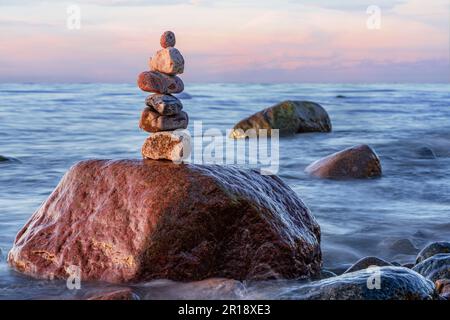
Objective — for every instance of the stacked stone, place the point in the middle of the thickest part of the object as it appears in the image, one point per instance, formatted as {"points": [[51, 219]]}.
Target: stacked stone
{"points": [[163, 112]]}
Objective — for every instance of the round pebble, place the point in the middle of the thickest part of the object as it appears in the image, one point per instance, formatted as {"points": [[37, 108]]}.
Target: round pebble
{"points": [[167, 39]]}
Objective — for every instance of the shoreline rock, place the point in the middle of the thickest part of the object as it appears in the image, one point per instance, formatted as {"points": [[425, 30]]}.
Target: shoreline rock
{"points": [[355, 162], [290, 117], [366, 262], [396, 283], [433, 249], [133, 220], [435, 267]]}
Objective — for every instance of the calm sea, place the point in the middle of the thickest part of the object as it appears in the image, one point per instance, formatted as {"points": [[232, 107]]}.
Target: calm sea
{"points": [[45, 129]]}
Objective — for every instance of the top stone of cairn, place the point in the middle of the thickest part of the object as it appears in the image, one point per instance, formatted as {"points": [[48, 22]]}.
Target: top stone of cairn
{"points": [[167, 39]]}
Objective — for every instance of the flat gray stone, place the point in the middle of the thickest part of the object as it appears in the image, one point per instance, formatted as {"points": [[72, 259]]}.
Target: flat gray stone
{"points": [[165, 104]]}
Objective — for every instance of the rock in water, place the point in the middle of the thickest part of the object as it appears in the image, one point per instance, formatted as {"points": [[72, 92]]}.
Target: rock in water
{"points": [[157, 82], [165, 104], [168, 61], [433, 249], [355, 162], [166, 146], [152, 121], [435, 267], [395, 283], [288, 116], [167, 39], [366, 262], [119, 294], [132, 220], [443, 288]]}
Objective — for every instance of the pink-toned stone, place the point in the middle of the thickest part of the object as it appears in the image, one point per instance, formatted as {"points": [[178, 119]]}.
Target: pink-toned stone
{"points": [[167, 39], [136, 220], [355, 162], [152, 81], [168, 61], [166, 146]]}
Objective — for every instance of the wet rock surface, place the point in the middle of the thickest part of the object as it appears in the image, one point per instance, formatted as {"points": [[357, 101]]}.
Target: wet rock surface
{"points": [[134, 220], [366, 262], [396, 283], [352, 163], [435, 267], [210, 289], [433, 249], [118, 294], [289, 117]]}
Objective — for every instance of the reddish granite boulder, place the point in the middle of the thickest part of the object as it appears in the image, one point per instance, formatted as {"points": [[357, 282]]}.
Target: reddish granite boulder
{"points": [[355, 162], [132, 220]]}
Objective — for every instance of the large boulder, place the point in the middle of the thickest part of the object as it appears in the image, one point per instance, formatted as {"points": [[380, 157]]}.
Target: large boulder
{"points": [[356, 162], [394, 283], [132, 220], [288, 116]]}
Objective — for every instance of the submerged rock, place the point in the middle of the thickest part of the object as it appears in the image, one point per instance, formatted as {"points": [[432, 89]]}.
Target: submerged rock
{"points": [[432, 249], [426, 153], [208, 289], [8, 159], [288, 116], [356, 162], [435, 267], [131, 220], [366, 262], [119, 294], [403, 246], [383, 283]]}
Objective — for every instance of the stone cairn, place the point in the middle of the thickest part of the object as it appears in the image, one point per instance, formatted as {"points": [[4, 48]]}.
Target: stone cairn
{"points": [[163, 112]]}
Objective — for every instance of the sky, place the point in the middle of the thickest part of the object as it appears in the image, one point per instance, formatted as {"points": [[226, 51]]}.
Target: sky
{"points": [[228, 41]]}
